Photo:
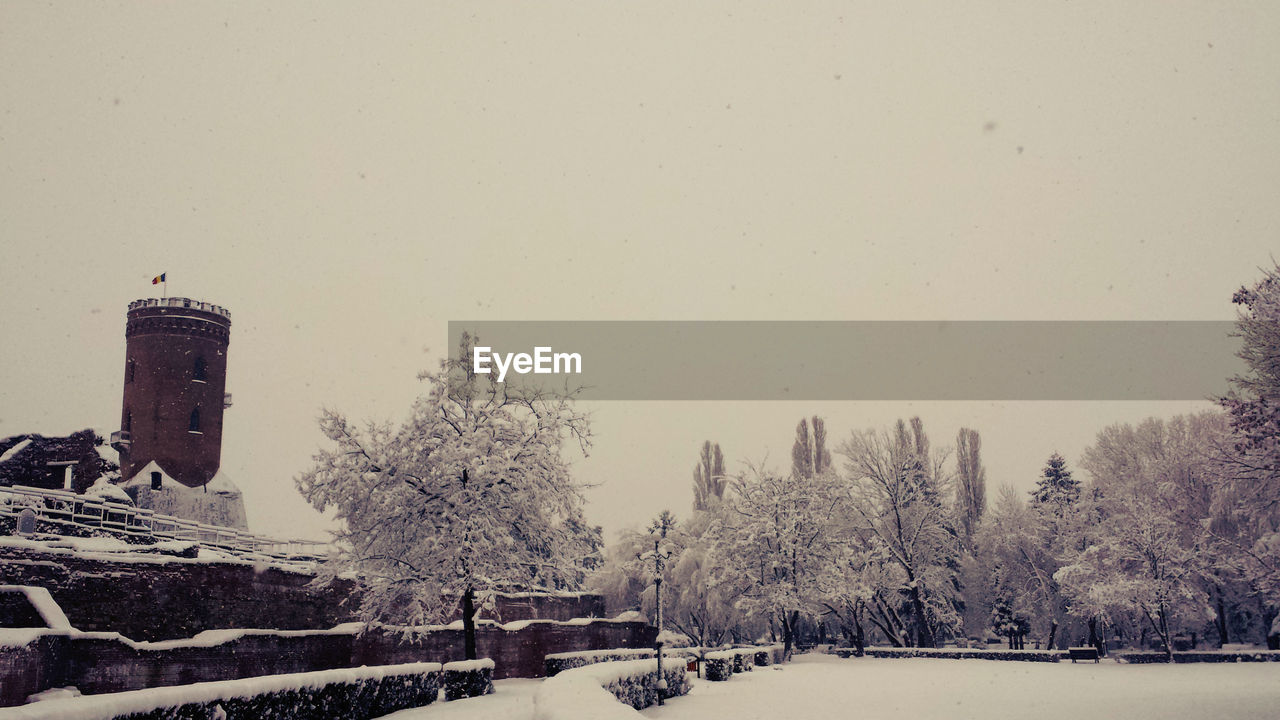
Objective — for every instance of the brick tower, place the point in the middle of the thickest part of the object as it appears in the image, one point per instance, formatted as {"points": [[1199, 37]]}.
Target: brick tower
{"points": [[175, 376]]}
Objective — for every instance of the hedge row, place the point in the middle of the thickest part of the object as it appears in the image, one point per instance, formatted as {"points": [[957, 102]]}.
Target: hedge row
{"points": [[1200, 656], [596, 691], [640, 689], [468, 678], [722, 664], [557, 663], [958, 654], [355, 693]]}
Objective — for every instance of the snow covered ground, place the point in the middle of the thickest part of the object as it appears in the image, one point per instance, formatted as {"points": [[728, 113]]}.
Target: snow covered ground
{"points": [[824, 686]]}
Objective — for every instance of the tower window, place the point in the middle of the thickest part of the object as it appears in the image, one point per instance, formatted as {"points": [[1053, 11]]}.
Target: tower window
{"points": [[130, 371], [156, 483], [201, 370], [194, 425]]}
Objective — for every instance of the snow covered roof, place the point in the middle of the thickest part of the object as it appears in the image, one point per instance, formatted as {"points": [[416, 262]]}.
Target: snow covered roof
{"points": [[15, 449], [106, 490], [219, 483]]}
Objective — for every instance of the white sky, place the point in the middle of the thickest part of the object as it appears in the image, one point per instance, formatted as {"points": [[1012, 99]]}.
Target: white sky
{"points": [[347, 178]]}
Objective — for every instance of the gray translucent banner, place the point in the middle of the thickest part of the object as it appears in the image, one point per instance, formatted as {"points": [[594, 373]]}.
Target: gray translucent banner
{"points": [[985, 360]]}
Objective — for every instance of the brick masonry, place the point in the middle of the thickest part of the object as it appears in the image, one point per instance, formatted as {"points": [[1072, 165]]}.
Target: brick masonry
{"points": [[164, 341], [101, 663], [175, 598], [168, 598]]}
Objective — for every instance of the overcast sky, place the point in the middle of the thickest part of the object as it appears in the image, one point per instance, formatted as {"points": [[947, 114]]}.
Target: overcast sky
{"points": [[347, 178]]}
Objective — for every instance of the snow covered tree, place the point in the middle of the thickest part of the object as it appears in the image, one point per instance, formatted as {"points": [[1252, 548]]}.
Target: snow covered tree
{"points": [[1056, 486], [1147, 553], [470, 496], [701, 607], [708, 477], [1020, 545], [850, 588], [621, 578], [774, 538], [894, 485], [1254, 404], [1250, 521]]}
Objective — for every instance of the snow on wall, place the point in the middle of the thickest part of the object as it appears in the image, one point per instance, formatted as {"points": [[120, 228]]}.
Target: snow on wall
{"points": [[113, 705], [469, 665], [103, 662], [218, 502], [43, 603], [105, 489], [13, 451]]}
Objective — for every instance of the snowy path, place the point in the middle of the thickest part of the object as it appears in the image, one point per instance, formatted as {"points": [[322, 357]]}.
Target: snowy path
{"points": [[824, 686]]}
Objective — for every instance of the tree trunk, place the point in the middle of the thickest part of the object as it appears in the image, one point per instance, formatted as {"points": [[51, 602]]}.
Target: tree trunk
{"points": [[1053, 631], [892, 625], [1165, 634], [923, 637], [860, 637], [1093, 632], [469, 623], [1222, 623], [786, 636]]}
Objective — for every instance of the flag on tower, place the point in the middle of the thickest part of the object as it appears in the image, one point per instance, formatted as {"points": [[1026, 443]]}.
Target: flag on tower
{"points": [[157, 279]]}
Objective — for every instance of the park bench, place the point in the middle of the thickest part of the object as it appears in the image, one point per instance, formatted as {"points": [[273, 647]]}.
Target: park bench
{"points": [[1083, 653]]}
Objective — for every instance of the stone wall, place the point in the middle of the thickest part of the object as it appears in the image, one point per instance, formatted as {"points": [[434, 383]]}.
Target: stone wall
{"points": [[530, 606], [100, 662], [166, 597], [159, 598]]}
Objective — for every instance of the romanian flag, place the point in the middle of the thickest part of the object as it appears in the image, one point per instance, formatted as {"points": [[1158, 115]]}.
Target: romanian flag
{"points": [[157, 279]]}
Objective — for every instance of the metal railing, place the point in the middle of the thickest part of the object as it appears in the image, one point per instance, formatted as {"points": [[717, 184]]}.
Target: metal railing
{"points": [[63, 508]]}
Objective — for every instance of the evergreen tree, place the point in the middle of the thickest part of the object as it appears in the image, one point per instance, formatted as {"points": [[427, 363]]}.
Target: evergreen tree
{"points": [[1056, 484], [1006, 622]]}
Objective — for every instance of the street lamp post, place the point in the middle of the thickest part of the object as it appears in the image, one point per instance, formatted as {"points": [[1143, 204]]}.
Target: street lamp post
{"points": [[658, 529], [658, 557], [657, 643]]}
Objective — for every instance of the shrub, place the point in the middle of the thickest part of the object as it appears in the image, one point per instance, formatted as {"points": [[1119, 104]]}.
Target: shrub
{"points": [[1199, 656], [959, 654], [468, 678], [557, 663], [718, 665], [722, 664], [354, 694], [586, 691], [640, 690]]}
